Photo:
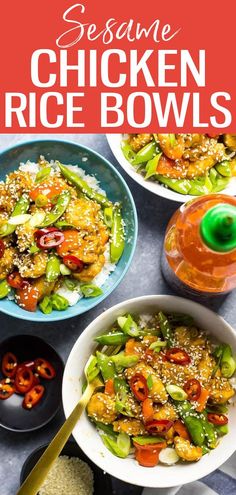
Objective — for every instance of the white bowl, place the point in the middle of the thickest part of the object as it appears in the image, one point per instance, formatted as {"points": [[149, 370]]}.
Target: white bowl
{"points": [[114, 141], [85, 433]]}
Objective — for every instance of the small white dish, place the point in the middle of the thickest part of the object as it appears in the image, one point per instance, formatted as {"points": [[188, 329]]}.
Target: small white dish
{"points": [[114, 141], [85, 433]]}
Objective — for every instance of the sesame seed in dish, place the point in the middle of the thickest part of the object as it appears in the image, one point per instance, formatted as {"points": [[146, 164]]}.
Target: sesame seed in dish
{"points": [[68, 476]]}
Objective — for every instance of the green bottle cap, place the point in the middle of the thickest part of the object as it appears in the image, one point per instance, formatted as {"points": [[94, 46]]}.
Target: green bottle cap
{"points": [[218, 228]]}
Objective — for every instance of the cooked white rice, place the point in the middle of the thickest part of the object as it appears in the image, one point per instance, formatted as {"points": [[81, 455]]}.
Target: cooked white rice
{"points": [[74, 296], [68, 476]]}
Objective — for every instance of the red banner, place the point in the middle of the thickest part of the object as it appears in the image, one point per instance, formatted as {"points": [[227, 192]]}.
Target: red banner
{"points": [[117, 66]]}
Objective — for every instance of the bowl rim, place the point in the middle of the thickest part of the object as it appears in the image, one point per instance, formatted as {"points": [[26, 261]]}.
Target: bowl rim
{"points": [[90, 329], [36, 337], [151, 186], [40, 317]]}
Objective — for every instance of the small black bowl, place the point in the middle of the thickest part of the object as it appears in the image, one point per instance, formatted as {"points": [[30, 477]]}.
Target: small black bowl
{"points": [[12, 415], [102, 482]]}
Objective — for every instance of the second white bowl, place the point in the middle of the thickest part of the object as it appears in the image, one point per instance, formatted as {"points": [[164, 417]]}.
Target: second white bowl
{"points": [[85, 433]]}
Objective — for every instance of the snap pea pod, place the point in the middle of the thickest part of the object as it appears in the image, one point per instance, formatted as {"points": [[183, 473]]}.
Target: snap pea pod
{"points": [[116, 338], [59, 303], [224, 168], [192, 421], [181, 186], [200, 186], [147, 440], [46, 305], [108, 216], [122, 404], [128, 325], [106, 428], [62, 224], [218, 181], [53, 268], [145, 154], [122, 361], [58, 210], [4, 289], [222, 429], [151, 167], [21, 208], [105, 365], [82, 185], [165, 329], [210, 432], [128, 153], [117, 236]]}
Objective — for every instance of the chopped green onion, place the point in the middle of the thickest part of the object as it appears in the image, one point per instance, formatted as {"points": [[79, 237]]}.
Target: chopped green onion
{"points": [[41, 200], [149, 382], [42, 174], [64, 269], [37, 218], [4, 289], [90, 290], [176, 392], [19, 219], [59, 303], [71, 284], [46, 305], [128, 325]]}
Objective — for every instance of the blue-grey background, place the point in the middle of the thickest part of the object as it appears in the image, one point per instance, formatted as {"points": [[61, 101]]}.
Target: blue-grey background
{"points": [[144, 277]]}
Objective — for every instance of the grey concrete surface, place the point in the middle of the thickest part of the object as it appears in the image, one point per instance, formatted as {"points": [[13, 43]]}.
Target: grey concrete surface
{"points": [[144, 277]]}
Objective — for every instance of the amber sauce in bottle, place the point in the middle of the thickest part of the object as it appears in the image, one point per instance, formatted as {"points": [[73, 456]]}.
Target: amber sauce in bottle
{"points": [[200, 255]]}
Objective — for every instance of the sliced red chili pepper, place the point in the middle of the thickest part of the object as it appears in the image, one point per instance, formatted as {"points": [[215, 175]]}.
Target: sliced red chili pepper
{"points": [[74, 263], [177, 356], [9, 365], [36, 380], [33, 397], [2, 248], [138, 385], [50, 240], [45, 369], [16, 281], [158, 427], [24, 379], [41, 232], [7, 388], [193, 388], [217, 419]]}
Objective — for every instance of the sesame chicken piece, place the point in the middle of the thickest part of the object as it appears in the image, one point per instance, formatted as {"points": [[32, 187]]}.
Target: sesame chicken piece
{"points": [[205, 367], [130, 426], [220, 390], [44, 287], [101, 407], [25, 236], [186, 450], [32, 266], [165, 412], [18, 182], [185, 336], [6, 200], [83, 214], [89, 272], [157, 392], [138, 141], [176, 374], [7, 262]]}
